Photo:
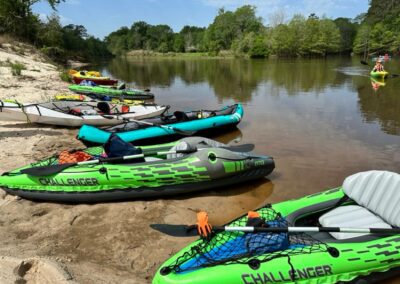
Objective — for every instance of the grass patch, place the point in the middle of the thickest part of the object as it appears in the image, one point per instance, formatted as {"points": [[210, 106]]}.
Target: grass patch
{"points": [[16, 68], [64, 76]]}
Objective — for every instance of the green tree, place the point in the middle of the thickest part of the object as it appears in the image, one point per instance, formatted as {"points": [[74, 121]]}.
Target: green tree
{"points": [[228, 26], [17, 19], [360, 44], [51, 33], [380, 31], [179, 43], [192, 37], [117, 42], [251, 44], [348, 31], [159, 38], [137, 35]]}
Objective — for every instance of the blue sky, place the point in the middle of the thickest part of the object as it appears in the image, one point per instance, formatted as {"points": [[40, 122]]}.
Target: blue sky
{"points": [[100, 17]]}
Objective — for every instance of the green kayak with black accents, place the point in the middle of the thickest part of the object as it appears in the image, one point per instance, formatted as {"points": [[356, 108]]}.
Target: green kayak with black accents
{"points": [[366, 200], [211, 164], [101, 91], [379, 74]]}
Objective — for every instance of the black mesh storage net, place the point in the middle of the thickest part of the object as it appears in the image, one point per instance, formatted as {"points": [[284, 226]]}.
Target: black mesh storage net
{"points": [[226, 248]]}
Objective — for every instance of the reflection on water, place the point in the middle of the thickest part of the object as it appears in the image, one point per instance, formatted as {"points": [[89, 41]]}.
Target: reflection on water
{"points": [[320, 118]]}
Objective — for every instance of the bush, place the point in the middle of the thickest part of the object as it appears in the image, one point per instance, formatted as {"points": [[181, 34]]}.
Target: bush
{"points": [[16, 68], [258, 49], [55, 53], [64, 75]]}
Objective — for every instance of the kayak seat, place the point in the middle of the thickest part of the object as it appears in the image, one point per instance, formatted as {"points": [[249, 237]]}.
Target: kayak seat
{"points": [[354, 216], [377, 191], [152, 159], [122, 86], [180, 146], [181, 116], [104, 107], [377, 194]]}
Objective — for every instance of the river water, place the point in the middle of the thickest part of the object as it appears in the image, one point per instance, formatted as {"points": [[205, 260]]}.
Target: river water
{"points": [[321, 119]]}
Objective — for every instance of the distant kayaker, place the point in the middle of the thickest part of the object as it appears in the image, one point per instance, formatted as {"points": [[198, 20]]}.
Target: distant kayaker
{"points": [[378, 66]]}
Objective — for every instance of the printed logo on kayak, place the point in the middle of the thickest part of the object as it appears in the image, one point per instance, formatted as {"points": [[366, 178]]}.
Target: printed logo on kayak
{"points": [[290, 276], [69, 181]]}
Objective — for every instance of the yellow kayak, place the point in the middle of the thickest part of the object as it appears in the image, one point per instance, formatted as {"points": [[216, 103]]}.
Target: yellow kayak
{"points": [[82, 98], [77, 73], [379, 74], [378, 81]]}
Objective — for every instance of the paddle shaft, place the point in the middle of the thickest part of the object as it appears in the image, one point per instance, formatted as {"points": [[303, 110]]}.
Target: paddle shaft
{"points": [[177, 130], [128, 157], [54, 169], [191, 231], [307, 230]]}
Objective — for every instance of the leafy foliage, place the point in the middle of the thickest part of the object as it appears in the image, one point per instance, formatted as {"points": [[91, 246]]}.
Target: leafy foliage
{"points": [[17, 19], [380, 28], [306, 37]]}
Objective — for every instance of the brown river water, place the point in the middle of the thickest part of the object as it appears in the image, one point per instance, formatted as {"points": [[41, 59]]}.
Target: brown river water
{"points": [[321, 119]]}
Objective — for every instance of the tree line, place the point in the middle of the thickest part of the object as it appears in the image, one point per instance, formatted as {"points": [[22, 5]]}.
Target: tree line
{"points": [[57, 41], [241, 32]]}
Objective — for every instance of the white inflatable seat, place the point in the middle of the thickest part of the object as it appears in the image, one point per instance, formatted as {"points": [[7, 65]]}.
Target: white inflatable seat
{"points": [[377, 194], [151, 159], [180, 146], [351, 216], [377, 191]]}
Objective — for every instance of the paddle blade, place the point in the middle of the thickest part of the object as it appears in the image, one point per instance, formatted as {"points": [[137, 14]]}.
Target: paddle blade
{"points": [[394, 75], [47, 170], [240, 148], [364, 62], [176, 230]]}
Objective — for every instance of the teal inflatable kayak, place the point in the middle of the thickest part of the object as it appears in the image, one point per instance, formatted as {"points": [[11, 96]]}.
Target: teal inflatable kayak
{"points": [[330, 237], [101, 91], [166, 125]]}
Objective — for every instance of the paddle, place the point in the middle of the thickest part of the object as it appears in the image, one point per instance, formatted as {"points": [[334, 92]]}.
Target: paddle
{"points": [[177, 130], [191, 231], [390, 75], [54, 169]]}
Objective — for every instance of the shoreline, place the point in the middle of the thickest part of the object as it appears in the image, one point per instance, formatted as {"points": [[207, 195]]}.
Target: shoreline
{"points": [[94, 243]]}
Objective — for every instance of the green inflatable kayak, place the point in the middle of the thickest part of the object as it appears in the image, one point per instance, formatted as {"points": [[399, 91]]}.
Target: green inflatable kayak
{"points": [[101, 91], [327, 255], [203, 164], [379, 74]]}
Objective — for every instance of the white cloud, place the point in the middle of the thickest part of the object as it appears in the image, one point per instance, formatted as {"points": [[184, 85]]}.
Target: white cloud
{"points": [[43, 17], [65, 20]]}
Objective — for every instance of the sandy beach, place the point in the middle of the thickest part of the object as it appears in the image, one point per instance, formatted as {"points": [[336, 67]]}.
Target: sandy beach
{"points": [[99, 243]]}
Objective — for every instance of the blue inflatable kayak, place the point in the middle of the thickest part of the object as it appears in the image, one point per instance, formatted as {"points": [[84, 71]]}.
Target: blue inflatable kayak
{"points": [[165, 125]]}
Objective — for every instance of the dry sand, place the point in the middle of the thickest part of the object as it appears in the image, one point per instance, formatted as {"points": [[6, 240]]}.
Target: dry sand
{"points": [[100, 243]]}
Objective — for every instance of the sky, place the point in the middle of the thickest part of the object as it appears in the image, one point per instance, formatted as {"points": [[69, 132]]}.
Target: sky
{"points": [[101, 17]]}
